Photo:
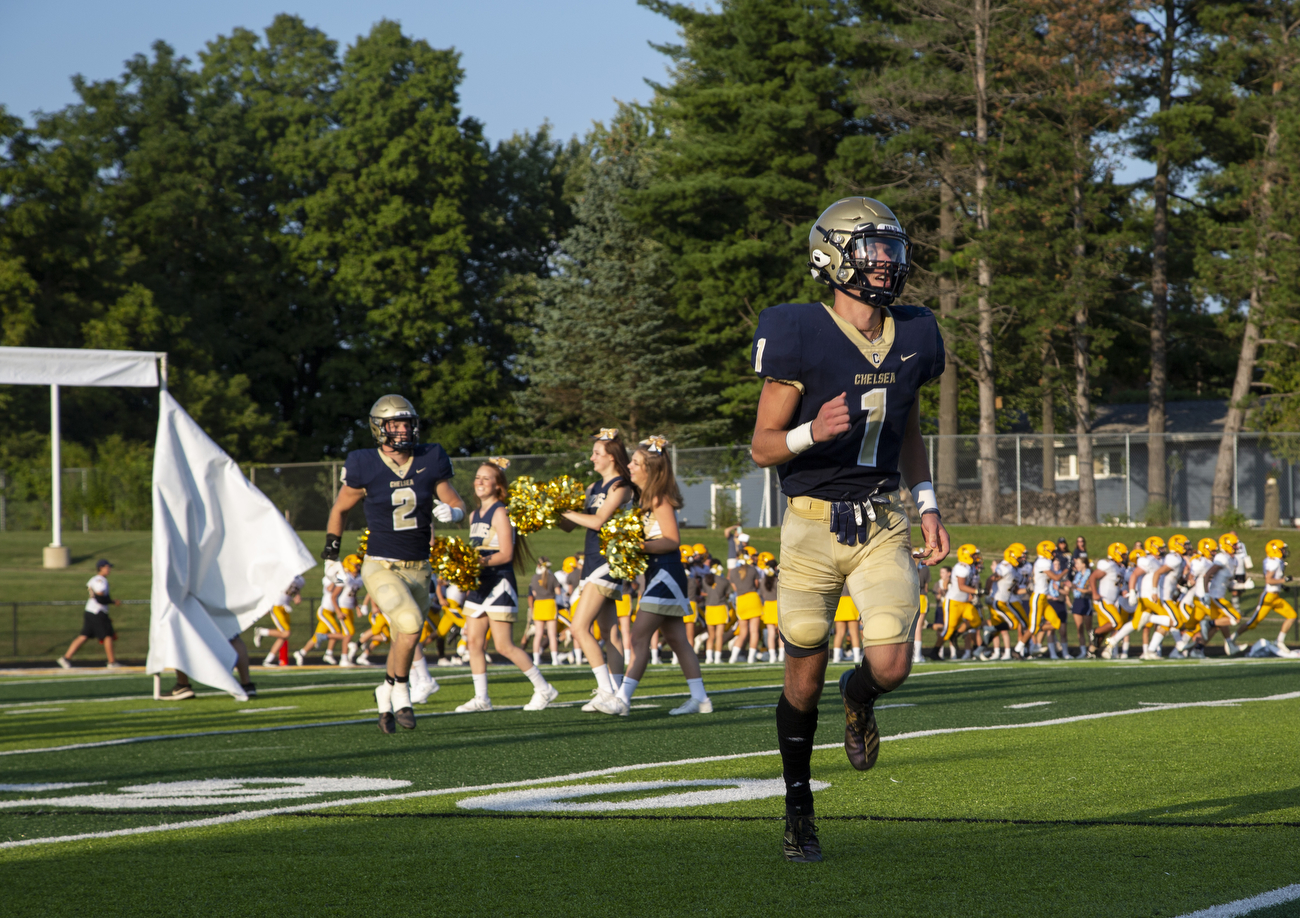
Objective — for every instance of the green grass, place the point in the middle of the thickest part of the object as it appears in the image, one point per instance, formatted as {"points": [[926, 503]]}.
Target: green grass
{"points": [[1154, 813]]}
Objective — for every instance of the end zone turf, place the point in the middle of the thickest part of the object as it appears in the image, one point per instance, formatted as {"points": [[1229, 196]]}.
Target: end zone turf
{"points": [[1124, 789]]}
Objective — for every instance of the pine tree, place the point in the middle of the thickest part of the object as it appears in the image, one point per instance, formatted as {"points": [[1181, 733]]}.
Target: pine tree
{"points": [[609, 349]]}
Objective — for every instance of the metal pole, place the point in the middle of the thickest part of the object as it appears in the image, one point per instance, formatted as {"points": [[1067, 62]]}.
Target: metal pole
{"points": [[1128, 477], [1235, 438], [15, 629], [56, 460], [766, 515], [1018, 523], [162, 371], [334, 479]]}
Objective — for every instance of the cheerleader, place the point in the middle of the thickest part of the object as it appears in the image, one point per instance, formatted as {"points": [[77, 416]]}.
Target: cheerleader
{"points": [[767, 592], [717, 614], [542, 593], [494, 604], [598, 591], [663, 601]]}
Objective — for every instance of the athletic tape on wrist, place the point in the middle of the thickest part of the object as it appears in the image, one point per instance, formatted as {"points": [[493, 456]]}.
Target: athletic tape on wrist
{"points": [[923, 494], [799, 439], [457, 514]]}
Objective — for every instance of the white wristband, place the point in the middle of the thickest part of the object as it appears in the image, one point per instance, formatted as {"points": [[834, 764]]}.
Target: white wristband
{"points": [[799, 439], [923, 494]]}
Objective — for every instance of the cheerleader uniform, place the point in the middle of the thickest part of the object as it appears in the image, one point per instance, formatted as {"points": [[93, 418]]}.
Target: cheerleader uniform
{"points": [[497, 595], [595, 569], [666, 586]]}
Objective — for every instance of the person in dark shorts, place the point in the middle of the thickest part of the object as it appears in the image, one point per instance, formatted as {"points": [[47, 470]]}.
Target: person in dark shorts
{"points": [[96, 623]]}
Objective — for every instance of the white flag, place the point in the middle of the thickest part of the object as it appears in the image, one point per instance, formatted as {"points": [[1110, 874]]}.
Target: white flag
{"points": [[222, 553]]}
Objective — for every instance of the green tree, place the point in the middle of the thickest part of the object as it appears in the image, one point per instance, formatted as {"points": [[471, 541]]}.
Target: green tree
{"points": [[609, 350]]}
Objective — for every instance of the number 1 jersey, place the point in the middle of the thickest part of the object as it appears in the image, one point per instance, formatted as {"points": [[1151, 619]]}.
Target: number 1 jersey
{"points": [[399, 500], [810, 347]]}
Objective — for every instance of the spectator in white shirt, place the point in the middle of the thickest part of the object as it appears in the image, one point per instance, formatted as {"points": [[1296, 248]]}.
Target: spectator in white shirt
{"points": [[96, 623]]}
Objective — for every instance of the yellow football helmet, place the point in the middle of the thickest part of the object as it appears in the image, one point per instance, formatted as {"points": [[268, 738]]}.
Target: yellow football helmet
{"points": [[1117, 552], [751, 551], [1276, 548], [1014, 552], [859, 246], [394, 408], [569, 564], [352, 564], [687, 554], [1045, 548], [1154, 545], [1135, 554], [700, 548], [765, 559], [1229, 542], [966, 554], [1207, 546], [1178, 544]]}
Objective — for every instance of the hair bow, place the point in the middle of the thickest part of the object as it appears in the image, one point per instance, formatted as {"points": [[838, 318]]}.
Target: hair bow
{"points": [[500, 462], [607, 433], [654, 444]]}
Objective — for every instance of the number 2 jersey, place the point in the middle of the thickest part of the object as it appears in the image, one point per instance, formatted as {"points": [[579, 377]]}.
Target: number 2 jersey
{"points": [[399, 499], [809, 346]]}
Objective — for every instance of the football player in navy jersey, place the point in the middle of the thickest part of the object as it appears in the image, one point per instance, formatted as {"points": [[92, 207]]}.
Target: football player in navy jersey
{"points": [[405, 486], [838, 417]]}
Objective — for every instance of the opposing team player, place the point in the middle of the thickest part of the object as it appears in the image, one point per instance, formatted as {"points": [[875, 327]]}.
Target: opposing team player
{"points": [[406, 485], [1042, 617], [1008, 613], [1275, 554], [280, 618], [839, 416], [1104, 587]]}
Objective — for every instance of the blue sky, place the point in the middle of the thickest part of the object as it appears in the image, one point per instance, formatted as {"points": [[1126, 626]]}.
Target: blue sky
{"points": [[525, 62]]}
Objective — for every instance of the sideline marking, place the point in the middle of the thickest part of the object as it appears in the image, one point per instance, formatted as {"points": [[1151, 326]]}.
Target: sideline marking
{"points": [[1246, 906], [583, 775], [114, 698], [569, 799], [275, 707], [35, 711], [1029, 704]]}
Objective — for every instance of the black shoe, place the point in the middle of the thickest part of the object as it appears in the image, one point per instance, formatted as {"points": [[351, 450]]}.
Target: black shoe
{"points": [[861, 735], [406, 718], [250, 689], [800, 843], [386, 723], [177, 693]]}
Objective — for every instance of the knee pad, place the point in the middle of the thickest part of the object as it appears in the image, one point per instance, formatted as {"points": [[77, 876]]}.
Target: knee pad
{"points": [[806, 619]]}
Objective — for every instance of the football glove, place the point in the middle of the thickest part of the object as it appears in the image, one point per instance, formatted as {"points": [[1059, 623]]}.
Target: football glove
{"points": [[332, 544], [446, 513]]}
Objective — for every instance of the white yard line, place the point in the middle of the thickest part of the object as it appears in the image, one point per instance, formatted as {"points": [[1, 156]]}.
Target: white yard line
{"points": [[149, 697], [619, 769], [1246, 906]]}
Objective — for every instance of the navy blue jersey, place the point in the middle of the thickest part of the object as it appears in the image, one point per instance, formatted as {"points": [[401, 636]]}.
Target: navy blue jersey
{"points": [[483, 537], [596, 494], [399, 506], [809, 346]]}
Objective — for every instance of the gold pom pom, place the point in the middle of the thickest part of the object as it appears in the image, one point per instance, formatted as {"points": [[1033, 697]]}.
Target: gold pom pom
{"points": [[363, 542], [564, 493], [455, 561], [528, 506], [621, 539]]}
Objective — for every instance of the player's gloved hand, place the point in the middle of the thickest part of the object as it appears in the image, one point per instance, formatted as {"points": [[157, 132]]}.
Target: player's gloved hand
{"points": [[849, 521], [446, 513], [331, 550]]}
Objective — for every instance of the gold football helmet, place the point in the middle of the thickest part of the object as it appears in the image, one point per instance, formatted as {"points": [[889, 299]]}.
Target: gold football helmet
{"points": [[1014, 553], [1207, 547], [1178, 544], [1229, 542], [394, 408], [1117, 552], [966, 554], [1276, 548], [352, 564], [1045, 548], [569, 564], [700, 550], [765, 559], [1154, 545], [857, 245]]}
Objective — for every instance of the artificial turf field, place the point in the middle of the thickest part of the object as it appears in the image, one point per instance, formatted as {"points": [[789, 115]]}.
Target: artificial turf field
{"points": [[1072, 789]]}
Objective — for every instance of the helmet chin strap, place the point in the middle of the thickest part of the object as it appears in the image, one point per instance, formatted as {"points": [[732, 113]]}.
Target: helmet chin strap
{"points": [[840, 288]]}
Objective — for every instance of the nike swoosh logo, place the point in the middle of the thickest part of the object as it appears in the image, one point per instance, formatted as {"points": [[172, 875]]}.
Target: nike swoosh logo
{"points": [[909, 356], [418, 471]]}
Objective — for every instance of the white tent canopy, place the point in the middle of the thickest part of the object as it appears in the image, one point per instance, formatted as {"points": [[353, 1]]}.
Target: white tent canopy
{"points": [[62, 366], [222, 553]]}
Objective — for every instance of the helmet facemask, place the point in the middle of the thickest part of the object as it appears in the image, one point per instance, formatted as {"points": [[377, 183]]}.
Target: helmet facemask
{"points": [[874, 262], [398, 439]]}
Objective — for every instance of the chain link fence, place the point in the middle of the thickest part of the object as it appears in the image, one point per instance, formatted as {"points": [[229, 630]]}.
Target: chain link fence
{"points": [[1038, 483]]}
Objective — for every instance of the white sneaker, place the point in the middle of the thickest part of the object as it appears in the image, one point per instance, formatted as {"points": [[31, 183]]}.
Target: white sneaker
{"points": [[271, 660], [351, 652], [328, 659], [345, 661], [609, 703], [257, 636], [542, 697], [474, 705], [694, 706], [654, 658], [591, 705], [1284, 651], [363, 660], [1230, 647], [65, 663], [1150, 655], [420, 691], [384, 697], [300, 658], [1107, 652]]}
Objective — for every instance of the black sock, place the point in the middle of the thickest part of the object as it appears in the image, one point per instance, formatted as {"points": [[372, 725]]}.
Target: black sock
{"points": [[389, 679], [402, 678], [794, 736], [861, 687]]}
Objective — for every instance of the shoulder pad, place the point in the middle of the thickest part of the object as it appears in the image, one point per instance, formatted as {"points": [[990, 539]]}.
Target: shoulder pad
{"points": [[777, 347]]}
